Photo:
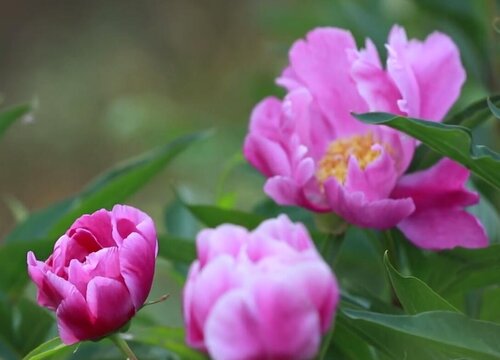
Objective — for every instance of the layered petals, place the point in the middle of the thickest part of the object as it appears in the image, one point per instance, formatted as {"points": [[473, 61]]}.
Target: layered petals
{"points": [[233, 305], [317, 156], [440, 196], [99, 274]]}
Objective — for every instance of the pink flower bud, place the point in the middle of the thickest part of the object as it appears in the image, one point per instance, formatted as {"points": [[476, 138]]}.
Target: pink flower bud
{"points": [[99, 274], [265, 294]]}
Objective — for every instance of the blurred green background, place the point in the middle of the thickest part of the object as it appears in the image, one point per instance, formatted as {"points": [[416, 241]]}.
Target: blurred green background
{"points": [[114, 78]]}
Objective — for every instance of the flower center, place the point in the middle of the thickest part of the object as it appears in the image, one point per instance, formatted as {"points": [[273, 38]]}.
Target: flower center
{"points": [[334, 162]]}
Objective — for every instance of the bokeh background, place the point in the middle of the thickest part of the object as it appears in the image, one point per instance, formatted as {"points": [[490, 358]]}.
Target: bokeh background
{"points": [[112, 79]]}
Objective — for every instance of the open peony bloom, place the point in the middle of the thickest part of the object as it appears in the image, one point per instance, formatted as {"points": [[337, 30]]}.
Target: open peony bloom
{"points": [[316, 155], [99, 274], [265, 294]]}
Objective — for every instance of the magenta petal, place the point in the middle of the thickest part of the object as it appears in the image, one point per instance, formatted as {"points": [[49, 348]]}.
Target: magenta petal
{"points": [[232, 330], [127, 219], [356, 209], [109, 303], [98, 224], [444, 228], [137, 264], [442, 185], [74, 321]]}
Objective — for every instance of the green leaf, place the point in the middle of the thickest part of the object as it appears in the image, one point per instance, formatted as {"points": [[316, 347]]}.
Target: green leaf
{"points": [[49, 348], [176, 249], [415, 295], [112, 187], [32, 325], [13, 268], [171, 339], [494, 109], [7, 118], [435, 334], [213, 216], [475, 114], [452, 141]]}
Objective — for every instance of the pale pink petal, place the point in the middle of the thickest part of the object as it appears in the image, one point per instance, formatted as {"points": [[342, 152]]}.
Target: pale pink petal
{"points": [[232, 330], [109, 303], [356, 209], [289, 329], [137, 265], [442, 185], [444, 228], [225, 239], [265, 118], [207, 287]]}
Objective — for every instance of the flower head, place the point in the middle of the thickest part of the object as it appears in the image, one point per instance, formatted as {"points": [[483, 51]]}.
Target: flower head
{"points": [[315, 154], [264, 294], [99, 274]]}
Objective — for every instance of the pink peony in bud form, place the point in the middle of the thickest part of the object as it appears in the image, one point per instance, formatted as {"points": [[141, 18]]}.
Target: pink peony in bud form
{"points": [[265, 294], [316, 155], [99, 274]]}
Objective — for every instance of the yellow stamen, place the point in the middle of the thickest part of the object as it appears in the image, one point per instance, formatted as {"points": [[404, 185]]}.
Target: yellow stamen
{"points": [[334, 162]]}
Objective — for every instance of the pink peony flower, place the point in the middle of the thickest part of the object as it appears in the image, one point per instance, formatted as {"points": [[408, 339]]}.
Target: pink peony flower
{"points": [[265, 294], [316, 155], [99, 274]]}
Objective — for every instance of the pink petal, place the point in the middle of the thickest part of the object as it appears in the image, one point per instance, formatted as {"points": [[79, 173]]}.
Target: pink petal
{"points": [[288, 329], [225, 239], [137, 265], [444, 228], [322, 64], [109, 303], [267, 156], [442, 185], [127, 219], [205, 290], [429, 74], [356, 209], [373, 83], [265, 118], [98, 224], [232, 330], [74, 320], [377, 180], [285, 191]]}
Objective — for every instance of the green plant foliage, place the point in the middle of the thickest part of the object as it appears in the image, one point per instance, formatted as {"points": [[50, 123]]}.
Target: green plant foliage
{"points": [[415, 295], [8, 117], [452, 141], [428, 335], [48, 349], [112, 187], [495, 110], [176, 249], [213, 216]]}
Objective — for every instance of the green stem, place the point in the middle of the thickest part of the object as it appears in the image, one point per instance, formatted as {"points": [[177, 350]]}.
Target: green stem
{"points": [[123, 346], [391, 247]]}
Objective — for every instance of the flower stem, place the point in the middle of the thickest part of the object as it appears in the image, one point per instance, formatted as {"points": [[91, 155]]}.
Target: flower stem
{"points": [[123, 346]]}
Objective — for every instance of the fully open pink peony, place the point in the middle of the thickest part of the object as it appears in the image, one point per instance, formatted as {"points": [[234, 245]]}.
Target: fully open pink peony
{"points": [[265, 294], [316, 155], [99, 274]]}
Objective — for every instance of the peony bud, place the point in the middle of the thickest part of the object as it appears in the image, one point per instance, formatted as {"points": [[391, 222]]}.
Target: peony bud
{"points": [[99, 274]]}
